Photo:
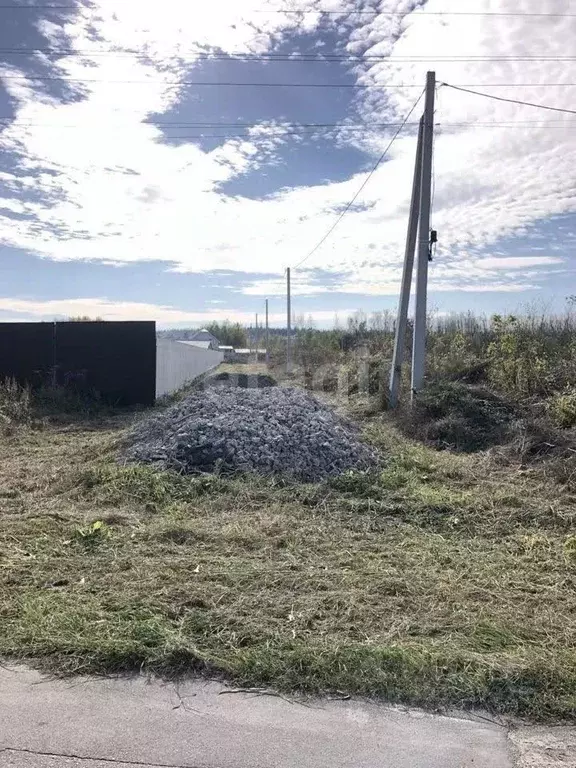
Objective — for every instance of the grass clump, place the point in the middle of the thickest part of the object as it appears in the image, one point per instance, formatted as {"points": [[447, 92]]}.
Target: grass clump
{"points": [[15, 405], [452, 415], [113, 484]]}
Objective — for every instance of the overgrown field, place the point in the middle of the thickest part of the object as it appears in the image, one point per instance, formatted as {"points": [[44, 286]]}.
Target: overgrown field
{"points": [[442, 579], [530, 357]]}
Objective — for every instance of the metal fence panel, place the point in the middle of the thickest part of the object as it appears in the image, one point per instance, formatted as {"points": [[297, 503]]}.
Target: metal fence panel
{"points": [[115, 359], [27, 352]]}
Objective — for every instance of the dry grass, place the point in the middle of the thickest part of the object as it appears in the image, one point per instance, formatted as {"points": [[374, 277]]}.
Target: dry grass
{"points": [[443, 580]]}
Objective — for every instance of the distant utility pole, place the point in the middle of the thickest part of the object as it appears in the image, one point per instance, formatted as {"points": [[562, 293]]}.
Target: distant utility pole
{"points": [[267, 336], [288, 324], [419, 348], [402, 321], [256, 334]]}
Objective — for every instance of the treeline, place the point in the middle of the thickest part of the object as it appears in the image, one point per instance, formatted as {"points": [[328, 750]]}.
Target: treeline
{"points": [[228, 334]]}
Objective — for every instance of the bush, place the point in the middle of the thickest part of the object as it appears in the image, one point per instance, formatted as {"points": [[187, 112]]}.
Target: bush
{"points": [[452, 355], [530, 356], [562, 408]]}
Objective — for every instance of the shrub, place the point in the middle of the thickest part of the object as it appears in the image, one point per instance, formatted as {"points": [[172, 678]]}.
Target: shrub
{"points": [[562, 408], [530, 356], [452, 355]]}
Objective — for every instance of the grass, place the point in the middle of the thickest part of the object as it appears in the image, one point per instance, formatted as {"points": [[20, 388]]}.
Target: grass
{"points": [[443, 579]]}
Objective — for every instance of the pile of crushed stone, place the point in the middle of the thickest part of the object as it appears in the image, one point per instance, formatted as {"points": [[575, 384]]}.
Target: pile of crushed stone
{"points": [[271, 430]]}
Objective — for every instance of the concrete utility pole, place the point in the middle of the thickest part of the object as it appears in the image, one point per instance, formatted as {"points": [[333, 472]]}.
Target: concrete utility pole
{"points": [[419, 348], [402, 320], [267, 336], [288, 324], [256, 334]]}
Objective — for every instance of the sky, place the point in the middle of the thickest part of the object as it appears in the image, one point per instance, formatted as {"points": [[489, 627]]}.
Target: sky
{"points": [[169, 160]]}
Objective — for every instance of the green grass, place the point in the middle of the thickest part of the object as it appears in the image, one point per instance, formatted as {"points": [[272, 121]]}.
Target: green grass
{"points": [[440, 580]]}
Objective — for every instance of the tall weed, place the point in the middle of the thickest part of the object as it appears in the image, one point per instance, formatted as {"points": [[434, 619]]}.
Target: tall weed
{"points": [[15, 405]]}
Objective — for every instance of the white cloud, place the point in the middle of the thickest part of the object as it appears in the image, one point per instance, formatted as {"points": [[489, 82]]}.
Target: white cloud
{"points": [[107, 310], [26, 309], [300, 285], [517, 262], [113, 192]]}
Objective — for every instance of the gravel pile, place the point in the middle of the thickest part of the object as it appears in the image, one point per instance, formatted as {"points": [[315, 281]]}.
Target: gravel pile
{"points": [[273, 430]]}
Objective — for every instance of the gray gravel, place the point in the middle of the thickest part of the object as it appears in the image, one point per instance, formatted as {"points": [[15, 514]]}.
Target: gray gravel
{"points": [[273, 430]]}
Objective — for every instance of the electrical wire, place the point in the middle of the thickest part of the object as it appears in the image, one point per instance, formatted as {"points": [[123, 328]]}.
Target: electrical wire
{"points": [[510, 101], [362, 186], [50, 78], [258, 138], [414, 13], [332, 12], [286, 58], [297, 127], [221, 83]]}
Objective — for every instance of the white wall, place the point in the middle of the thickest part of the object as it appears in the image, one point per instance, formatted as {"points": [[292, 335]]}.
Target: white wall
{"points": [[177, 364]]}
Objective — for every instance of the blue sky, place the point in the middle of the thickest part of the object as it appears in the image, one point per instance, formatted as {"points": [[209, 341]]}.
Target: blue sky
{"points": [[128, 193]]}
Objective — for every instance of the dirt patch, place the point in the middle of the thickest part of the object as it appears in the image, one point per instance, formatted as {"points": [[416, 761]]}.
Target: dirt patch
{"points": [[545, 747]]}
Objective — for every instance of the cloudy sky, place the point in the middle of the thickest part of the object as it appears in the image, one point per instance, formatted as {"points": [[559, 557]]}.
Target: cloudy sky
{"points": [[169, 159]]}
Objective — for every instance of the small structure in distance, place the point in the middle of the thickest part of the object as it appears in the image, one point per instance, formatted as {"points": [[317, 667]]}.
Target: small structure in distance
{"points": [[203, 339]]}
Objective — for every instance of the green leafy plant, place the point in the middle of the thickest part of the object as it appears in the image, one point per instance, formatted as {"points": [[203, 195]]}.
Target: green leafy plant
{"points": [[92, 535], [570, 549]]}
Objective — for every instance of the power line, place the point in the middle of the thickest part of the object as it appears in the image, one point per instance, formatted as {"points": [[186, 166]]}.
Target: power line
{"points": [[362, 186], [221, 83], [511, 101], [286, 58], [343, 12], [298, 128], [309, 134], [43, 7], [415, 12], [265, 137], [164, 124]]}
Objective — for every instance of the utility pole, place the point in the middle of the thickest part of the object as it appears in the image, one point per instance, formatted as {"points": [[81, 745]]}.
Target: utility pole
{"points": [[419, 348], [256, 334], [402, 319], [288, 324], [267, 336]]}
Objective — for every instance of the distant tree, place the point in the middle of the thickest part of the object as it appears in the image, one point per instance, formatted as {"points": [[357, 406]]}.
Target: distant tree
{"points": [[229, 334], [84, 319]]}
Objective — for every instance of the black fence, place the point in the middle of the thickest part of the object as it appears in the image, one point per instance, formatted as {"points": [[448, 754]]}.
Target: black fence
{"points": [[116, 360]]}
